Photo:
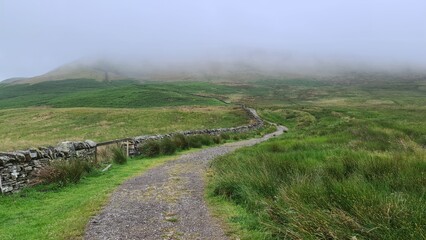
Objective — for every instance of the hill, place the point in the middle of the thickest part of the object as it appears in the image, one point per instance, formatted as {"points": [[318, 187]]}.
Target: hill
{"points": [[249, 67], [91, 93], [97, 70]]}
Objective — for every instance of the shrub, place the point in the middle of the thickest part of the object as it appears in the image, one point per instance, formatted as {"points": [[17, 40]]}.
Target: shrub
{"points": [[118, 155], [150, 148], [63, 172], [167, 146], [180, 141]]}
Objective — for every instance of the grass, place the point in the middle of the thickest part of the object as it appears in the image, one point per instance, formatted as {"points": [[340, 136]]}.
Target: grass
{"points": [[91, 93], [62, 213], [352, 166], [63, 172], [27, 127], [375, 89], [336, 175], [119, 157], [237, 222]]}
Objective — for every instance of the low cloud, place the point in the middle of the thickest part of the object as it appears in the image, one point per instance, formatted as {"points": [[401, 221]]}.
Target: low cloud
{"points": [[37, 36]]}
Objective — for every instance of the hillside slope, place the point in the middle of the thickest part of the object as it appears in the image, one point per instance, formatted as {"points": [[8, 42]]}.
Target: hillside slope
{"points": [[91, 93]]}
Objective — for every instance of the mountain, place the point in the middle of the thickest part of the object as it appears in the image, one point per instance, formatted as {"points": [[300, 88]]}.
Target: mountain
{"points": [[142, 70], [12, 80], [97, 70], [241, 69]]}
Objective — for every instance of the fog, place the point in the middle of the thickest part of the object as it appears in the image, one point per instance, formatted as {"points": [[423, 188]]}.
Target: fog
{"points": [[37, 36]]}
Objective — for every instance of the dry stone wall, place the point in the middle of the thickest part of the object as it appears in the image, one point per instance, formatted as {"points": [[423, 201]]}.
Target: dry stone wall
{"points": [[18, 168]]}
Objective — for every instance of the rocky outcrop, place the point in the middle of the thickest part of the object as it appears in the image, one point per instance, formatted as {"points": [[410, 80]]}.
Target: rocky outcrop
{"points": [[18, 168]]}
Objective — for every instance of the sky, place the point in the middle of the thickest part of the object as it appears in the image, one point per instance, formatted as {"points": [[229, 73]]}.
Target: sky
{"points": [[39, 35]]}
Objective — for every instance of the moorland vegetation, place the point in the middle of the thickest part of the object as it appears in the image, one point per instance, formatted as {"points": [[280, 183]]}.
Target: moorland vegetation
{"points": [[352, 165]]}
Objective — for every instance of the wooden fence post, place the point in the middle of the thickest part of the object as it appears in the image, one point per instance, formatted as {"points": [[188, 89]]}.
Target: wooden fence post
{"points": [[127, 148], [1, 187], [96, 154]]}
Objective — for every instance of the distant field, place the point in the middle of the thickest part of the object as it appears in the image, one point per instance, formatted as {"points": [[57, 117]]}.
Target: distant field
{"points": [[91, 93], [26, 127], [129, 94]]}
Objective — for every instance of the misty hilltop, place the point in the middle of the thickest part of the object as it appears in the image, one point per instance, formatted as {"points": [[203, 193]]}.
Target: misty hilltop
{"points": [[248, 67], [76, 70], [104, 69], [37, 39]]}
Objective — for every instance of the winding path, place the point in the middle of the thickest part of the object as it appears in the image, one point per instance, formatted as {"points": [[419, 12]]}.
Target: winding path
{"points": [[165, 202]]}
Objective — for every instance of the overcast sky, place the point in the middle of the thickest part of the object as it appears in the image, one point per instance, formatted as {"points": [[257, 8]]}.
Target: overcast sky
{"points": [[39, 35]]}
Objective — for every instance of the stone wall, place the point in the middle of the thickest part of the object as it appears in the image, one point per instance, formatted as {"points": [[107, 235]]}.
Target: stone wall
{"points": [[134, 143], [18, 168], [256, 122]]}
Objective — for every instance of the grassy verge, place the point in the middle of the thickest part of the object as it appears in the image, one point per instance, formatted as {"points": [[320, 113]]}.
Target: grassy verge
{"points": [[62, 213], [236, 221], [340, 173]]}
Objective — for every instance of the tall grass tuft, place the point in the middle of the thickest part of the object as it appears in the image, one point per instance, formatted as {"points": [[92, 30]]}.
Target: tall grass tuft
{"points": [[180, 141], [225, 136], [150, 148], [167, 146], [63, 172], [118, 155], [195, 141], [216, 139]]}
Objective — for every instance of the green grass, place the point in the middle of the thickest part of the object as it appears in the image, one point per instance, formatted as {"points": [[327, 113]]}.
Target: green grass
{"points": [[372, 90], [91, 93], [62, 213], [350, 166], [237, 222], [26, 127]]}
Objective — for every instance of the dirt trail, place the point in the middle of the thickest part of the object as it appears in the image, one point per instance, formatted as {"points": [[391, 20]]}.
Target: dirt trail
{"points": [[165, 202]]}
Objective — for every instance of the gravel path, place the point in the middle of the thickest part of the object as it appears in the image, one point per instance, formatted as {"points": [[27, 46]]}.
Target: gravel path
{"points": [[165, 202]]}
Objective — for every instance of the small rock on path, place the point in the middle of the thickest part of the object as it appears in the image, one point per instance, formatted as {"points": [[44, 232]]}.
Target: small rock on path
{"points": [[165, 202]]}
